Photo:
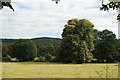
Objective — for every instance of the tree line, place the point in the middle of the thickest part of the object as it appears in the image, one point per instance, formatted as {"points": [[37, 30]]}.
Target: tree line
{"points": [[80, 43]]}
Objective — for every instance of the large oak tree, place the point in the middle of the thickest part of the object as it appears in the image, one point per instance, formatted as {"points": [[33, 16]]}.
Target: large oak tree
{"points": [[77, 41]]}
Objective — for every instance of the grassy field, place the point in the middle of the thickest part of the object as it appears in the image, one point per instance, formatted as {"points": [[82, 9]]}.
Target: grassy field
{"points": [[56, 70]]}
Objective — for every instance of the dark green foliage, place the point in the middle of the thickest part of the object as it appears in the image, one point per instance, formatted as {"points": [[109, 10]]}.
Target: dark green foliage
{"points": [[118, 17], [7, 58], [43, 40], [24, 50], [105, 46], [54, 58], [5, 49], [44, 45], [8, 4], [8, 40], [42, 59], [111, 5], [106, 51], [107, 35], [118, 48], [77, 41], [118, 54], [47, 45], [0, 51], [50, 48], [48, 57]]}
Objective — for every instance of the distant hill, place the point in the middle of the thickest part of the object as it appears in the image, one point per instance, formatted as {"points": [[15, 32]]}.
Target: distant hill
{"points": [[45, 40], [42, 40], [8, 40]]}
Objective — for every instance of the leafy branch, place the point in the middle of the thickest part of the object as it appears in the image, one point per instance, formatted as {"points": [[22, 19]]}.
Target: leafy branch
{"points": [[111, 5]]}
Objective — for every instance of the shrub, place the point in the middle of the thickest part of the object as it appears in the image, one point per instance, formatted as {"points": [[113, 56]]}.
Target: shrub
{"points": [[94, 61], [14, 60], [42, 59], [7, 58], [48, 57], [89, 61], [36, 59], [74, 62], [39, 59], [54, 58]]}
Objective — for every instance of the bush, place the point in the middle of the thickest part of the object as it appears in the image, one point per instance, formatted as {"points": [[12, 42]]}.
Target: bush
{"points": [[36, 59], [89, 61], [94, 61], [54, 59], [39, 59], [42, 59], [74, 62], [48, 57], [7, 58], [14, 60]]}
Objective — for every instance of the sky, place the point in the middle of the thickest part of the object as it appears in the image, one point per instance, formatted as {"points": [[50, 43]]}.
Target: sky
{"points": [[44, 18]]}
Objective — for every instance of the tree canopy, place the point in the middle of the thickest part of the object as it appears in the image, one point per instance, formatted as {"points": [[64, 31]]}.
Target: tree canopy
{"points": [[23, 49], [105, 45], [77, 41]]}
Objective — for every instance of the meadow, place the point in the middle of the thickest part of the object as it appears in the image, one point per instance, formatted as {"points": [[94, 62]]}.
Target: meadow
{"points": [[57, 70]]}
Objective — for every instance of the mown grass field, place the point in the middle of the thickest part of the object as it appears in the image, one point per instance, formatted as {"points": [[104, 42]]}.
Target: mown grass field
{"points": [[56, 70]]}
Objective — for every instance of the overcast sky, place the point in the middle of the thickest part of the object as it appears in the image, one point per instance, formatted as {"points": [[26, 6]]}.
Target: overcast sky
{"points": [[44, 18]]}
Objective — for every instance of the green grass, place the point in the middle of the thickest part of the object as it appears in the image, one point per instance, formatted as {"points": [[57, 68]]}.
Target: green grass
{"points": [[55, 70]]}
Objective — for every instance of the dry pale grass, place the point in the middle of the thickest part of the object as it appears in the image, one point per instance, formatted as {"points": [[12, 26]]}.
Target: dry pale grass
{"points": [[56, 70]]}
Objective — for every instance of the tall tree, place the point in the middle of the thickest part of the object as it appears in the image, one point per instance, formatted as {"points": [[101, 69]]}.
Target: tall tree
{"points": [[105, 45], [77, 41], [23, 49]]}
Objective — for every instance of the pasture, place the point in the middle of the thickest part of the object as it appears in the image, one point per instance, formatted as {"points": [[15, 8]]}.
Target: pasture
{"points": [[57, 70]]}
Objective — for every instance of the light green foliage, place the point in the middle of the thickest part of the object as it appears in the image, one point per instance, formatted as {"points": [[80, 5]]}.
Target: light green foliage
{"points": [[24, 50], [77, 41], [39, 59]]}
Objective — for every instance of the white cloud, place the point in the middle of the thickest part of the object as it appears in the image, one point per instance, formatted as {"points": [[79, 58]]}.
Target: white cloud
{"points": [[37, 18]]}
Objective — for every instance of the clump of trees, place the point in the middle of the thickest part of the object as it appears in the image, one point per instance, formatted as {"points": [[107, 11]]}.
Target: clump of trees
{"points": [[46, 48], [80, 43], [77, 41], [23, 49], [106, 46]]}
